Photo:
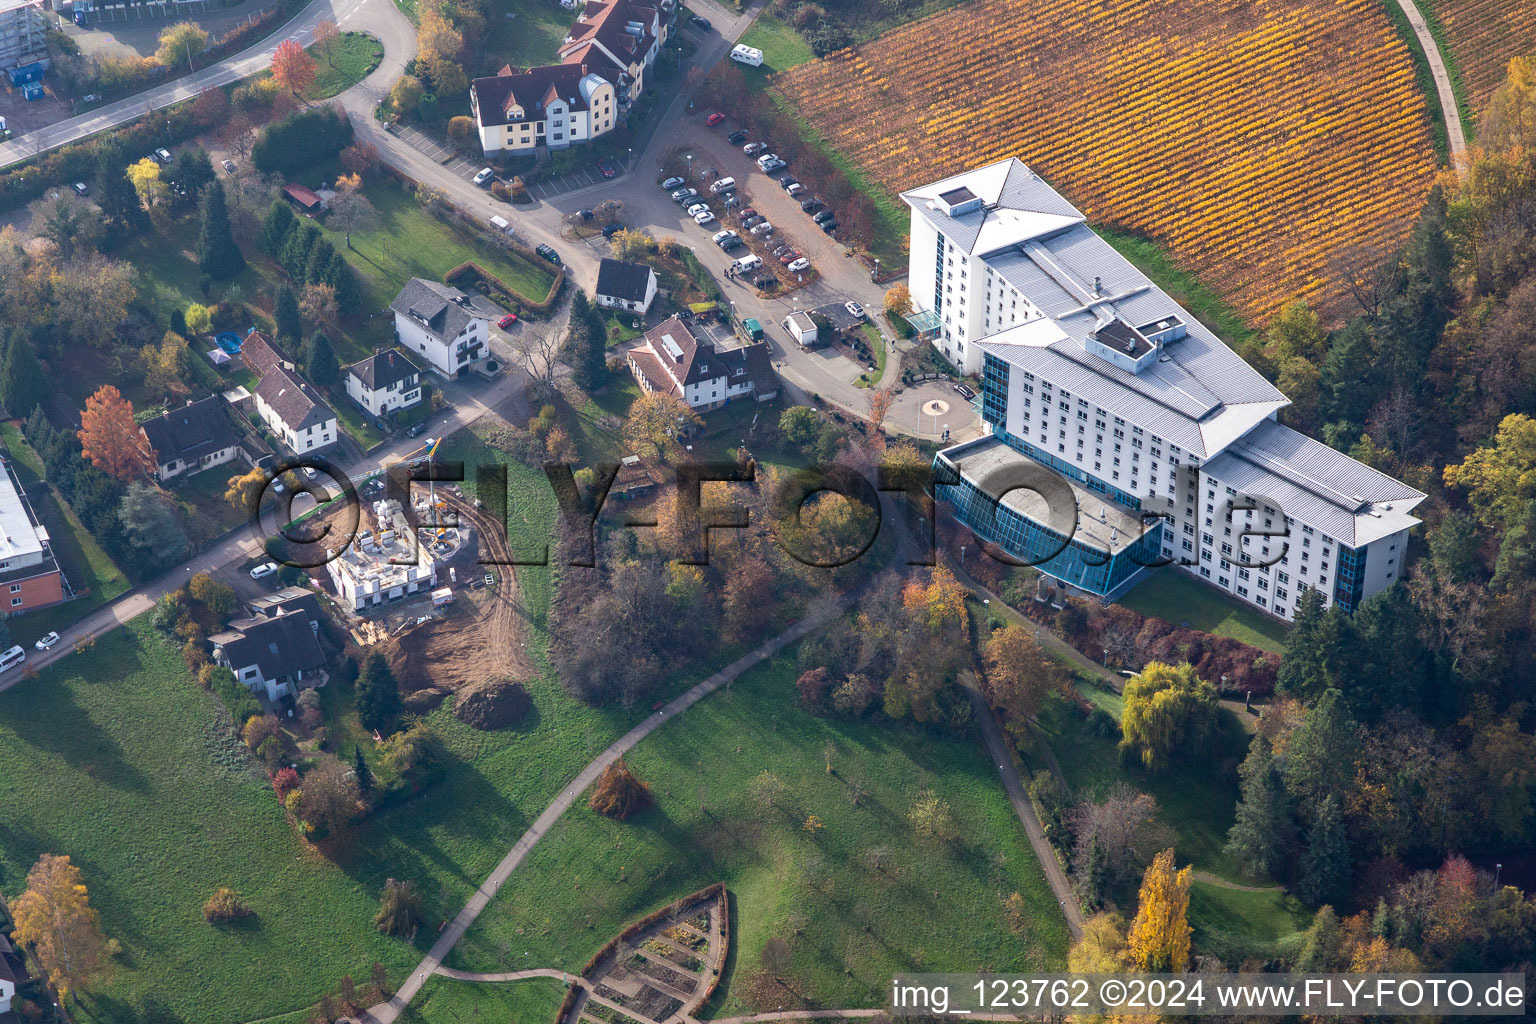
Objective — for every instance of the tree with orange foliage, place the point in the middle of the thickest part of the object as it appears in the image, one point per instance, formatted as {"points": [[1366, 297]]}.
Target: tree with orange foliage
{"points": [[880, 405], [940, 605], [292, 67], [326, 34], [110, 438], [619, 793], [1159, 938]]}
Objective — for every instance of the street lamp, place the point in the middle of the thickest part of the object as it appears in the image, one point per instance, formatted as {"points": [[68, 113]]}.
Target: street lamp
{"points": [[1106, 657], [1496, 869]]}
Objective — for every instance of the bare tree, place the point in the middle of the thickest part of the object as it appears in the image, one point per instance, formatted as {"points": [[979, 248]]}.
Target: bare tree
{"points": [[1368, 272], [538, 348], [351, 211], [1114, 826]]}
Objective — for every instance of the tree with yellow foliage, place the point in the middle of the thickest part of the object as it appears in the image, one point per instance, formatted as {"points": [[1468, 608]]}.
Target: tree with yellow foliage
{"points": [[1511, 118], [240, 491], [940, 605], [1500, 478], [55, 918], [145, 176], [1169, 711], [1159, 938]]}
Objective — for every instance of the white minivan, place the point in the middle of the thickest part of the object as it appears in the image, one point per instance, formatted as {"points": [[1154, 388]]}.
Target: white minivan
{"points": [[13, 657], [721, 185]]}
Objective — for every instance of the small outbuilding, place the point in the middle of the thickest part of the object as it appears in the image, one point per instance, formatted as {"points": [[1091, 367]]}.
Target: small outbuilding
{"points": [[802, 328]]}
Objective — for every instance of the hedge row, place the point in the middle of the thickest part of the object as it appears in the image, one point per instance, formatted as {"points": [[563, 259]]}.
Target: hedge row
{"points": [[465, 275], [302, 139]]}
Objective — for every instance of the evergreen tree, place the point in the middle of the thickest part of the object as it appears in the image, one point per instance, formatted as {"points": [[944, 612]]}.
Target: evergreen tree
{"points": [[23, 385], [295, 257], [1314, 648], [116, 196], [362, 771], [1326, 865], [1517, 553], [1262, 836], [1320, 758], [1321, 943], [349, 290], [1453, 547], [192, 173], [1388, 665], [320, 361], [589, 344], [317, 266], [179, 322], [275, 227], [378, 695], [217, 253], [285, 312]]}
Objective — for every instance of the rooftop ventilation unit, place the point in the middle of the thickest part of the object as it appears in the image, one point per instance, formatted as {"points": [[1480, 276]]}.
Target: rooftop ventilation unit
{"points": [[958, 202]]}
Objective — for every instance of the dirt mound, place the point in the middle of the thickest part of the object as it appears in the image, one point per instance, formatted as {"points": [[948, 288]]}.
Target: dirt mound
{"points": [[494, 705], [419, 702]]}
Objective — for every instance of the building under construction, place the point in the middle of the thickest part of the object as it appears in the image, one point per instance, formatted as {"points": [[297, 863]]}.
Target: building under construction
{"points": [[23, 35], [389, 559]]}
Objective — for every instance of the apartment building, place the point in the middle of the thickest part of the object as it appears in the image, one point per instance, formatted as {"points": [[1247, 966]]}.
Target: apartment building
{"points": [[29, 572], [1122, 433]]}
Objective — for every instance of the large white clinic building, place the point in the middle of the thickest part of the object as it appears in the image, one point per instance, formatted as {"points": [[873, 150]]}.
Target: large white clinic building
{"points": [[1164, 443]]}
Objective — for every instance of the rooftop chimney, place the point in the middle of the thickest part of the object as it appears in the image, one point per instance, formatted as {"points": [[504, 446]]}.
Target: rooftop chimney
{"points": [[1098, 286]]}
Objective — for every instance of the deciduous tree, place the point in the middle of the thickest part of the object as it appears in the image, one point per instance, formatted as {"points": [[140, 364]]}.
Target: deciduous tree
{"points": [[180, 43], [1169, 713], [618, 793], [655, 424], [292, 67], [110, 438], [327, 33], [240, 491], [55, 919], [1501, 477], [329, 799], [400, 908], [1019, 677], [931, 818], [1160, 932]]}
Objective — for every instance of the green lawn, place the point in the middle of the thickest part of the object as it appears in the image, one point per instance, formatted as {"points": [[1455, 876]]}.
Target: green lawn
{"points": [[446, 1001], [783, 47], [594, 440], [352, 59], [849, 925], [1175, 596], [354, 419], [410, 242], [523, 34], [1234, 924]]}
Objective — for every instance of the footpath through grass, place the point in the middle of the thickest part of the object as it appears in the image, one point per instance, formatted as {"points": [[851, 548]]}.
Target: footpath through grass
{"points": [[1175, 596], [858, 898]]}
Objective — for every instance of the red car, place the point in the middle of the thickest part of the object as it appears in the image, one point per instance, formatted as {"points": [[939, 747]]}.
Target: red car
{"points": [[606, 168], [714, 119], [507, 321]]}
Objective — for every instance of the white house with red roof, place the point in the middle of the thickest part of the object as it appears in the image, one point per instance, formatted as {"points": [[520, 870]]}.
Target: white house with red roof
{"points": [[671, 361]]}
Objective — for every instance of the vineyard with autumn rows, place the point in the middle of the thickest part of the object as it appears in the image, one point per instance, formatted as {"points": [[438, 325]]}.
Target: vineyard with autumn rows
{"points": [[1484, 35], [1254, 138]]}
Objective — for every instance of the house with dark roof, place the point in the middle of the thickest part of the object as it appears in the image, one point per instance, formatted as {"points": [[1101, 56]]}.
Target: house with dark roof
{"points": [[554, 106], [260, 353], [671, 361], [384, 382], [619, 40], [273, 656], [625, 285], [295, 412], [448, 327], [288, 601], [192, 438]]}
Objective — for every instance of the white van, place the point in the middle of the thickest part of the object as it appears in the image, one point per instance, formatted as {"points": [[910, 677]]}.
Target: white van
{"points": [[747, 263], [748, 55], [501, 224], [15, 656], [720, 186]]}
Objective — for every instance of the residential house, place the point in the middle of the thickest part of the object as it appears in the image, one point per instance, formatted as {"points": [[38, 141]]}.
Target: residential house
{"points": [[295, 412], [1166, 439], [619, 40], [30, 577], [385, 382], [260, 354], [273, 656], [450, 328], [192, 438], [8, 977], [625, 285], [288, 601], [555, 106], [671, 361]]}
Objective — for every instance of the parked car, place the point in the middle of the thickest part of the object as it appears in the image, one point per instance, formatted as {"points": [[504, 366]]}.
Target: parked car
{"points": [[672, 183], [609, 230], [720, 236], [824, 216], [855, 310], [584, 214], [829, 226], [705, 216], [762, 229], [754, 148], [722, 185], [811, 205], [748, 212], [696, 208], [507, 321], [607, 168], [229, 166], [796, 190], [737, 137], [682, 195], [774, 166], [80, 188], [799, 265], [767, 158], [714, 119], [263, 570], [964, 392], [780, 250], [47, 641], [699, 22], [732, 244], [788, 180], [484, 176], [752, 221], [548, 253], [163, 155], [790, 256], [417, 430], [765, 282]]}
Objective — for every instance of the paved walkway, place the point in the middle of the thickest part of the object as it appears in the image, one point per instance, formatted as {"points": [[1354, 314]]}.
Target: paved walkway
{"points": [[386, 1013], [1443, 89]]}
